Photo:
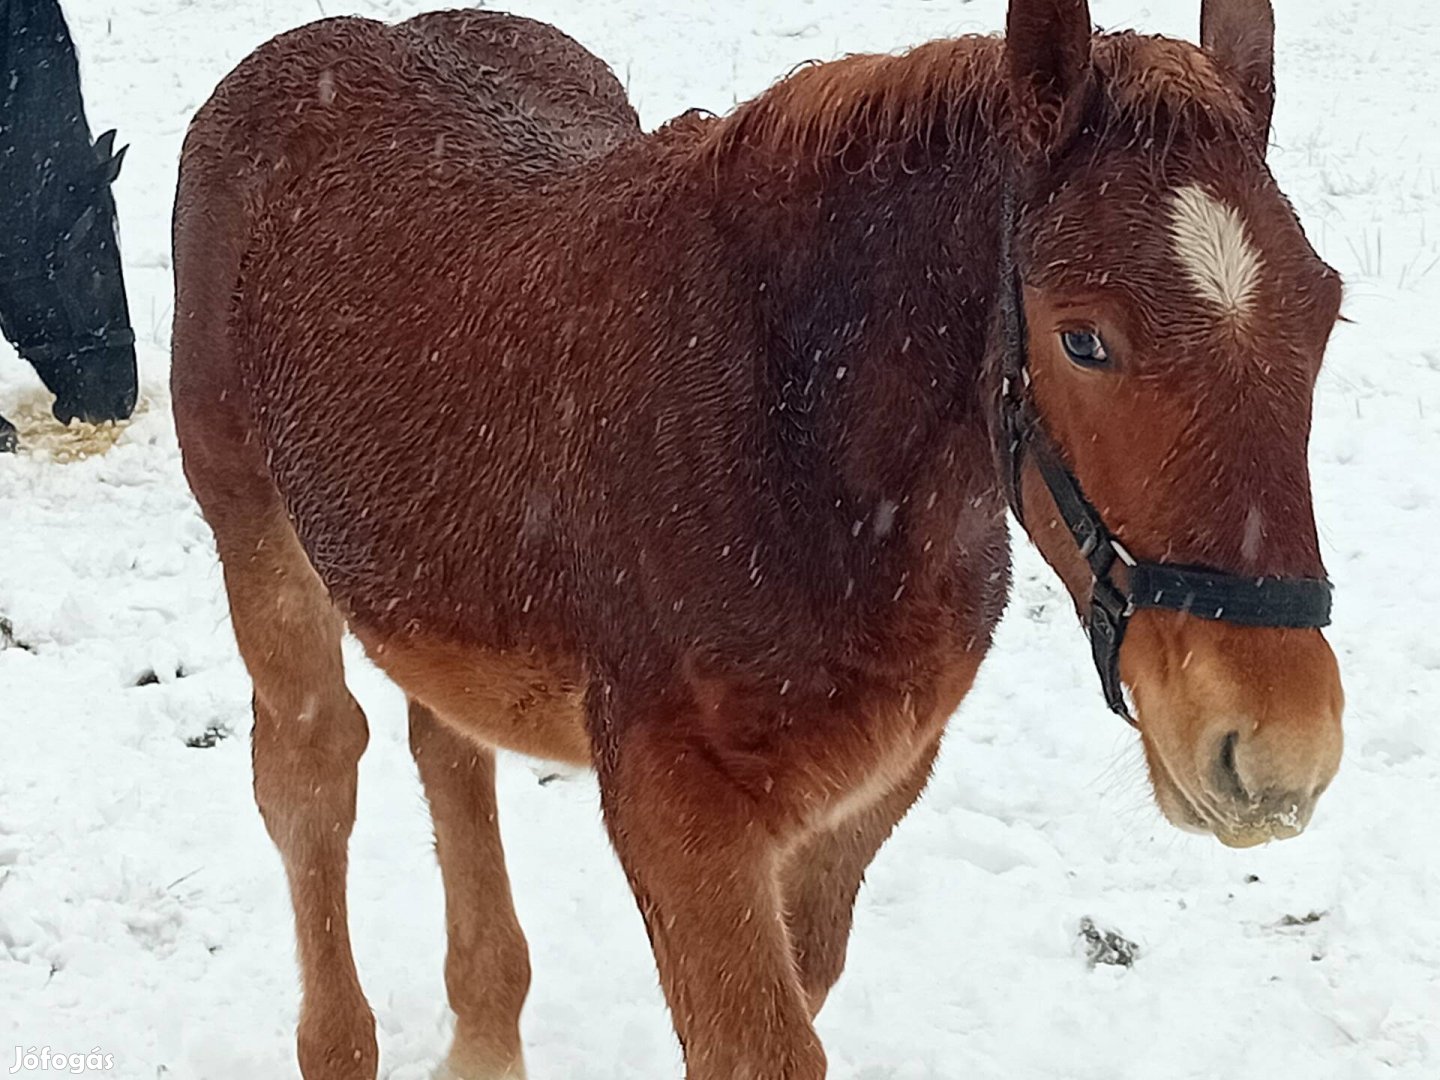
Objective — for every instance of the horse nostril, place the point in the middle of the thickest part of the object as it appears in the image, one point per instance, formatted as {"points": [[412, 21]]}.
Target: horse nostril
{"points": [[1227, 775]]}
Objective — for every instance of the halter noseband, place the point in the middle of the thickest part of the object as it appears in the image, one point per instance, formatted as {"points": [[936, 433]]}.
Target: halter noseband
{"points": [[1120, 584]]}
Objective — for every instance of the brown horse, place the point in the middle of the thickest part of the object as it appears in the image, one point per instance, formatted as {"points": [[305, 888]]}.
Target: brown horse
{"points": [[687, 456]]}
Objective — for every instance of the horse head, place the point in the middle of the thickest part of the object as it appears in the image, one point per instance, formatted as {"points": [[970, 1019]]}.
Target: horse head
{"points": [[1172, 318]]}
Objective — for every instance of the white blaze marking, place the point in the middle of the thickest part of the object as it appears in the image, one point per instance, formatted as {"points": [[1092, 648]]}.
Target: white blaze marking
{"points": [[1215, 249]]}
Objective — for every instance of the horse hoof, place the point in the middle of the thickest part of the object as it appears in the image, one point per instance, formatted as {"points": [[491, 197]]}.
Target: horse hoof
{"points": [[9, 438]]}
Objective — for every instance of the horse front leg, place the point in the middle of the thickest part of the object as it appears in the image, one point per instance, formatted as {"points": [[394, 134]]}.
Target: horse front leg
{"points": [[701, 854]]}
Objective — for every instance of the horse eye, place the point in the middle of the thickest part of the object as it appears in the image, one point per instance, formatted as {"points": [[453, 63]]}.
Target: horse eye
{"points": [[1085, 348]]}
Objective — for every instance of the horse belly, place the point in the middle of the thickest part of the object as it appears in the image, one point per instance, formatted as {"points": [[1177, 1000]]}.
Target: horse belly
{"points": [[514, 700]]}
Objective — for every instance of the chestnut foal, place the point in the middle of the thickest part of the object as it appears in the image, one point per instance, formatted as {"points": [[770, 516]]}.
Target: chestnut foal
{"points": [[687, 455]]}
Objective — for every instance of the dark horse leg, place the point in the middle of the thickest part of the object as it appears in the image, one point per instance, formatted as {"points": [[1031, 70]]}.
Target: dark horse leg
{"points": [[8, 438], [62, 290]]}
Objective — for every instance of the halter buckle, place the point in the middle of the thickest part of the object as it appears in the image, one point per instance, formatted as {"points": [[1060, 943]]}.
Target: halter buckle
{"points": [[1109, 598]]}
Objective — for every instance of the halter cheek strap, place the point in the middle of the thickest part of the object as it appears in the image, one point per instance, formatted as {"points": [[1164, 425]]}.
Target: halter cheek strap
{"points": [[1120, 584]]}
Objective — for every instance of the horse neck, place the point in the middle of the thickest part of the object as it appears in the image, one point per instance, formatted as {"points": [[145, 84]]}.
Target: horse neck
{"points": [[875, 288]]}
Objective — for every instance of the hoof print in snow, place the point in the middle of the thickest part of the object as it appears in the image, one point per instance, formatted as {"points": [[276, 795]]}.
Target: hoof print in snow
{"points": [[1302, 920], [150, 677], [1106, 946], [208, 738]]}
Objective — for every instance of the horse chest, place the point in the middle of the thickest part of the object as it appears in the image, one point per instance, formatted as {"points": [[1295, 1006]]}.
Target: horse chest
{"points": [[901, 732]]}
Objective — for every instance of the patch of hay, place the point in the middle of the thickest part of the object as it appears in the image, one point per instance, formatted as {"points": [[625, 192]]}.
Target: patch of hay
{"points": [[42, 436]]}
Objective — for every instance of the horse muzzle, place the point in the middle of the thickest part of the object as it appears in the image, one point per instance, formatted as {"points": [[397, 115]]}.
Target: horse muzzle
{"points": [[95, 386], [1241, 725]]}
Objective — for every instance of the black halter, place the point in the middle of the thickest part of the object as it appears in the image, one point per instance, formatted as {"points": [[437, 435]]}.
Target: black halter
{"points": [[1121, 585]]}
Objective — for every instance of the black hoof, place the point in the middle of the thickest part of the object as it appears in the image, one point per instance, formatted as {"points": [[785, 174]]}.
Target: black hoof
{"points": [[9, 438]]}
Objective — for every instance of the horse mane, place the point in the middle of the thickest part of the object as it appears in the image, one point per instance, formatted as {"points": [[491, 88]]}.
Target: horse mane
{"points": [[943, 91]]}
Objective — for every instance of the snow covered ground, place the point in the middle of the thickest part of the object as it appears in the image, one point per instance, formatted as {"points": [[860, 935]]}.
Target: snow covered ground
{"points": [[143, 910]]}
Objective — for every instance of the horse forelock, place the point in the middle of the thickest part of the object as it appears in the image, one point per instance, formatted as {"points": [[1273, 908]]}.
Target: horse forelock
{"points": [[941, 91], [1160, 85]]}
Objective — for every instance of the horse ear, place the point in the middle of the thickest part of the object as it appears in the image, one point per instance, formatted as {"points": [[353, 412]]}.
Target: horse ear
{"points": [[1241, 35], [110, 168], [105, 146], [1047, 57]]}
